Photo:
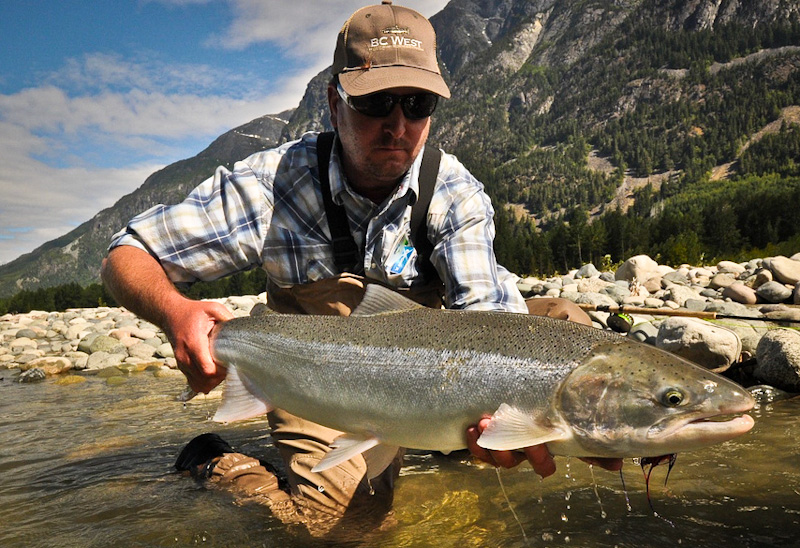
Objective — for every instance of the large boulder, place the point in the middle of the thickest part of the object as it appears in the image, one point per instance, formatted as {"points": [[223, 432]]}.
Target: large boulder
{"points": [[698, 341], [778, 359]]}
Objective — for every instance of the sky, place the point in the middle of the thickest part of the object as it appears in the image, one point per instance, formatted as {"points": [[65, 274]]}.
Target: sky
{"points": [[95, 95]]}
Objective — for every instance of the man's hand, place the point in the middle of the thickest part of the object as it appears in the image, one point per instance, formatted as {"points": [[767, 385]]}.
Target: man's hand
{"points": [[137, 282], [189, 328], [540, 458]]}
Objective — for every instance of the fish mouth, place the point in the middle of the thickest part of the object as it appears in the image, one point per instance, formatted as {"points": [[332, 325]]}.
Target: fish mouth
{"points": [[702, 429]]}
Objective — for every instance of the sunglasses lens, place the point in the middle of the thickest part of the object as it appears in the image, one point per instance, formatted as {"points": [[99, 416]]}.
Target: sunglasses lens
{"points": [[376, 105], [379, 105], [420, 105]]}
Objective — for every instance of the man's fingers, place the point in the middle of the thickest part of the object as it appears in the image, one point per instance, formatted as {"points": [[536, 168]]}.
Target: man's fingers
{"points": [[541, 460]]}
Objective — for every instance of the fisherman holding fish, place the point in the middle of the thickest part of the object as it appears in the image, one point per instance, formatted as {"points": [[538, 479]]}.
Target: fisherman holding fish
{"points": [[325, 216]]}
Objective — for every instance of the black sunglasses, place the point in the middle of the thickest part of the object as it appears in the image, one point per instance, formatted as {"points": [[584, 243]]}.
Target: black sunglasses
{"points": [[416, 106]]}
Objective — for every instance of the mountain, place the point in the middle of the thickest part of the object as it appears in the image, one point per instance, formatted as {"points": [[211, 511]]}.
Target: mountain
{"points": [[76, 256], [563, 109]]}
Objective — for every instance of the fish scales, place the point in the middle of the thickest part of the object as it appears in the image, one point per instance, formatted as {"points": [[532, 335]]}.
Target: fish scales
{"points": [[410, 365]]}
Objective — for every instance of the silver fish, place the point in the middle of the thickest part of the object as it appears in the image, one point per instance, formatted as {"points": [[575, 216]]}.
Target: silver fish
{"points": [[394, 374]]}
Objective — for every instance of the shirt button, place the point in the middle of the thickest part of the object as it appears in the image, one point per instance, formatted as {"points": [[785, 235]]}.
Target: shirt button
{"points": [[373, 266]]}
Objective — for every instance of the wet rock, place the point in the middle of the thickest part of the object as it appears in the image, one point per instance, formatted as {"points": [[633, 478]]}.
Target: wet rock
{"points": [[51, 365], [706, 344], [778, 359], [32, 375]]}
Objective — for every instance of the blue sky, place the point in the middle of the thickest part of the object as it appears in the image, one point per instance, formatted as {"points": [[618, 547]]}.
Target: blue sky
{"points": [[97, 95]]}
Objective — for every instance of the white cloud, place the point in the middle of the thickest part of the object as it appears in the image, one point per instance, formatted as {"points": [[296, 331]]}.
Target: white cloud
{"points": [[92, 131], [304, 28], [65, 155]]}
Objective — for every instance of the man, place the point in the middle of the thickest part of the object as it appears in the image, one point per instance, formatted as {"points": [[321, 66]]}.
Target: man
{"points": [[270, 212]]}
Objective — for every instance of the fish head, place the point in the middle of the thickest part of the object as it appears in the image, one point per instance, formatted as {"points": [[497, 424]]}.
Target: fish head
{"points": [[628, 399]]}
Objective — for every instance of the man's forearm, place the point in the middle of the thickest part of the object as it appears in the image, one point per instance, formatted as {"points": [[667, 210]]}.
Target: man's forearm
{"points": [[137, 282]]}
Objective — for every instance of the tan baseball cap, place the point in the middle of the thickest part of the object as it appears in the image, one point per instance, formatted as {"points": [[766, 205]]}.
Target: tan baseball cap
{"points": [[386, 46]]}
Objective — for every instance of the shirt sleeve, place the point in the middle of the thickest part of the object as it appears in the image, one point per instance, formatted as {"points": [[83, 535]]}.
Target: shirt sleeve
{"points": [[217, 230], [461, 225]]}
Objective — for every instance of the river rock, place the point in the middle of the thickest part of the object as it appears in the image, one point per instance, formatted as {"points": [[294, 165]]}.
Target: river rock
{"points": [[774, 292], [51, 365], [32, 375], [165, 350], [778, 359], [587, 271], [785, 270], [645, 332], [681, 294], [142, 351], [730, 267], [708, 345], [722, 280], [740, 293], [796, 294], [640, 267]]}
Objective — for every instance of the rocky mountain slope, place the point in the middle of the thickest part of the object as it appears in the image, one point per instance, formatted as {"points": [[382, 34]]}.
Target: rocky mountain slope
{"points": [[555, 104]]}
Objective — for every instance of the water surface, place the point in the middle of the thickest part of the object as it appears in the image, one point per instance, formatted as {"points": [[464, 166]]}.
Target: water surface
{"points": [[90, 464]]}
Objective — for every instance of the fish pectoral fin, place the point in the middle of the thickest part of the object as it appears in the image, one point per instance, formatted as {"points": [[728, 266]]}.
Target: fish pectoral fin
{"points": [[511, 428], [238, 403], [379, 458], [381, 300], [344, 448]]}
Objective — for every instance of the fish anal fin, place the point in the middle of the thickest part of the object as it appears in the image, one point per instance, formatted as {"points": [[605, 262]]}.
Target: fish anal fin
{"points": [[511, 428], [380, 300], [238, 403], [344, 448]]}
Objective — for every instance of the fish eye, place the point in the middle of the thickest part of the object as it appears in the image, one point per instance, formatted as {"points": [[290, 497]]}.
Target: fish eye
{"points": [[672, 397]]}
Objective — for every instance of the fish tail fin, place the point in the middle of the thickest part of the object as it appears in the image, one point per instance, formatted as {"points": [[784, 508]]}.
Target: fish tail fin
{"points": [[238, 403]]}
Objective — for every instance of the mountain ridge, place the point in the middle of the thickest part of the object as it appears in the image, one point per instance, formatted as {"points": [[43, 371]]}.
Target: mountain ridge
{"points": [[539, 87]]}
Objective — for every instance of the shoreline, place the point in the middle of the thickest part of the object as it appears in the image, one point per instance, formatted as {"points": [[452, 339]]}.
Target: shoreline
{"points": [[112, 341]]}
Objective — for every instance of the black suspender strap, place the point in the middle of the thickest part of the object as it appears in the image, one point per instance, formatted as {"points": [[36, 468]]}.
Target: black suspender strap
{"points": [[346, 253], [428, 171]]}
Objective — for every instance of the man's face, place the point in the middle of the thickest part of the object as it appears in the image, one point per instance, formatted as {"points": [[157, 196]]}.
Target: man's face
{"points": [[377, 151]]}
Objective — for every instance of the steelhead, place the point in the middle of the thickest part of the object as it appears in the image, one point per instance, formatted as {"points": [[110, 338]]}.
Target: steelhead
{"points": [[395, 374]]}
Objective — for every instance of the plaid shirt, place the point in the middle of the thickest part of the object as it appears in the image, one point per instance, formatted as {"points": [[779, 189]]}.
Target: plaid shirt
{"points": [[268, 212]]}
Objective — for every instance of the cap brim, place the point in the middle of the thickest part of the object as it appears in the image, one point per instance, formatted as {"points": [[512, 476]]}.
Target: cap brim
{"points": [[372, 80]]}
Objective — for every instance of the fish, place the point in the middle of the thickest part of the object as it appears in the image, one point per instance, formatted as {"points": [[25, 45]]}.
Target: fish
{"points": [[395, 374]]}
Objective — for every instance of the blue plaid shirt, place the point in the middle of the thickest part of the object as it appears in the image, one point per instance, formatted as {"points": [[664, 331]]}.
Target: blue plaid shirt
{"points": [[268, 212]]}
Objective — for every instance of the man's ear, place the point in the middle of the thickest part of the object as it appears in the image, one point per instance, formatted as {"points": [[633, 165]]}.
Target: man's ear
{"points": [[334, 101]]}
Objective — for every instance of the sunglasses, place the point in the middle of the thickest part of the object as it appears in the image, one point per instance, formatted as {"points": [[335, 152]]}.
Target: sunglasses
{"points": [[415, 106]]}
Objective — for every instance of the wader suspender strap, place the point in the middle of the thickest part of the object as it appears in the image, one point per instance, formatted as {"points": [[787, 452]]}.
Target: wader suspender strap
{"points": [[345, 252], [346, 255]]}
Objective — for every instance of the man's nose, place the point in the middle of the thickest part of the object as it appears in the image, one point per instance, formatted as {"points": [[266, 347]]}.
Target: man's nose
{"points": [[395, 122]]}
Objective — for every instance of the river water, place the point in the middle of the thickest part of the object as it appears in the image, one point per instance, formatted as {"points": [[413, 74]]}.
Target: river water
{"points": [[90, 464]]}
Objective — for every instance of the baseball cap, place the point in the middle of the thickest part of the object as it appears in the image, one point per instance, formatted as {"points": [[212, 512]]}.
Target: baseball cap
{"points": [[386, 46]]}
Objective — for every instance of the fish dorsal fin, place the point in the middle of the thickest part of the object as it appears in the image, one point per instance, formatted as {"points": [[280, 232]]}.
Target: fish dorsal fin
{"points": [[380, 300], [511, 428], [238, 403], [344, 448]]}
